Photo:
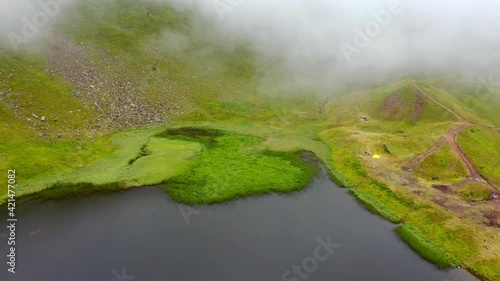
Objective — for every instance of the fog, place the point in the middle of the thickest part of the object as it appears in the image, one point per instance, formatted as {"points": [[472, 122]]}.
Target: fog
{"points": [[325, 43], [24, 22], [334, 41]]}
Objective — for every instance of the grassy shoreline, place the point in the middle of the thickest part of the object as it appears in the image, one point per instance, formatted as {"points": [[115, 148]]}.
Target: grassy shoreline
{"points": [[230, 168], [248, 150], [425, 248], [61, 191], [77, 156], [284, 168], [429, 230]]}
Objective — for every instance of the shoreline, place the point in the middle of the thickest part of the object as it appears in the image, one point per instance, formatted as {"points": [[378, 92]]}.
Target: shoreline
{"points": [[428, 250]]}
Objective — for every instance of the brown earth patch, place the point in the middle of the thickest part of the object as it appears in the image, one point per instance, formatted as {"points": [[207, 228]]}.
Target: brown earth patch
{"points": [[443, 188], [492, 219], [441, 201], [394, 107], [418, 107], [449, 203]]}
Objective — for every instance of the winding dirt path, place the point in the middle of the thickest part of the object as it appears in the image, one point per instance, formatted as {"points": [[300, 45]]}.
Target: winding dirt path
{"points": [[420, 90], [410, 166], [451, 138]]}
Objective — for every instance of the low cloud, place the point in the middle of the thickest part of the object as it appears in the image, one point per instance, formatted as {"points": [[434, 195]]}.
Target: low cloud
{"points": [[23, 22], [323, 44], [327, 43]]}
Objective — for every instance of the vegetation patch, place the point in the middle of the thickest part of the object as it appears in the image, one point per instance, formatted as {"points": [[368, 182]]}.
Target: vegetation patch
{"points": [[374, 205], [443, 166], [444, 230], [481, 147], [474, 192], [107, 161], [144, 152], [210, 79], [425, 248], [231, 169], [395, 150], [478, 106], [62, 190], [204, 136], [25, 80], [376, 196], [486, 268]]}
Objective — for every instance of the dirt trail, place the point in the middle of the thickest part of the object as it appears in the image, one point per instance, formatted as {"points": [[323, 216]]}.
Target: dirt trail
{"points": [[410, 166], [451, 138], [420, 90], [474, 174]]}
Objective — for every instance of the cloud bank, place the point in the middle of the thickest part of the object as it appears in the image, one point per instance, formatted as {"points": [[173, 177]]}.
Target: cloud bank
{"points": [[22, 22], [326, 41]]}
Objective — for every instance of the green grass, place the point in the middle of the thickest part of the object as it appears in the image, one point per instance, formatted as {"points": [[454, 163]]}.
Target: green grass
{"points": [[166, 159], [151, 156], [347, 109], [30, 91], [474, 192], [374, 205], [112, 160], [60, 191], [183, 64], [218, 82], [40, 158], [143, 153], [230, 169], [442, 166], [474, 100], [444, 230], [396, 150], [207, 137], [376, 196], [487, 268], [425, 248], [205, 77], [434, 233], [481, 147]]}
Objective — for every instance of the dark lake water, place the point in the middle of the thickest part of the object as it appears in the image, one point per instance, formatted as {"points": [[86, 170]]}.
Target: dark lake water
{"points": [[142, 235]]}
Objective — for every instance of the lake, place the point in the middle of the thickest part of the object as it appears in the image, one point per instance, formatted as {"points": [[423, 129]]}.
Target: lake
{"points": [[320, 233]]}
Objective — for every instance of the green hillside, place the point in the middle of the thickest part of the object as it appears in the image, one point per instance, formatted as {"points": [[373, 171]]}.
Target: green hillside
{"points": [[131, 93], [482, 146], [399, 102]]}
